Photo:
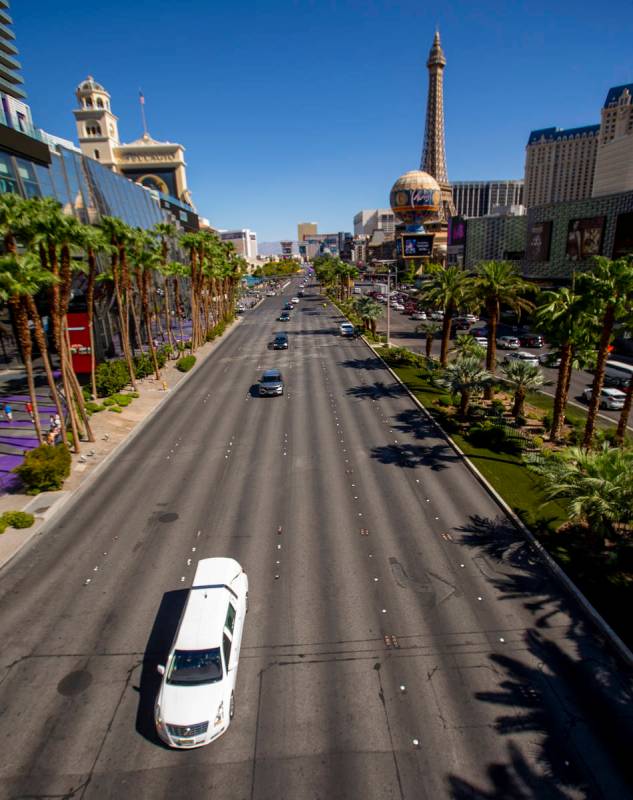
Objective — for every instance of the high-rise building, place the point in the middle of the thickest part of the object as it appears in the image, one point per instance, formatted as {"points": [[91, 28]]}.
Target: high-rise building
{"points": [[434, 150], [374, 219], [560, 164], [614, 158], [244, 241], [10, 79], [306, 229], [480, 198]]}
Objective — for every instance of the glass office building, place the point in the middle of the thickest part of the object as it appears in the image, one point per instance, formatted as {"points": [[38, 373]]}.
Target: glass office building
{"points": [[85, 188]]}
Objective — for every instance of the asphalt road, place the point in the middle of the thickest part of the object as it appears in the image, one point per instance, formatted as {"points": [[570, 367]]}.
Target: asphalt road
{"points": [[402, 640], [403, 335]]}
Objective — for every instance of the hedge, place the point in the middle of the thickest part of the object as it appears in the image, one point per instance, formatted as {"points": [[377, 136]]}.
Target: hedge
{"points": [[185, 363], [18, 519], [44, 469]]}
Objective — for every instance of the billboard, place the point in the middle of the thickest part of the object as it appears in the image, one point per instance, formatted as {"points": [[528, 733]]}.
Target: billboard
{"points": [[539, 240], [417, 245], [584, 238], [456, 231], [623, 242]]}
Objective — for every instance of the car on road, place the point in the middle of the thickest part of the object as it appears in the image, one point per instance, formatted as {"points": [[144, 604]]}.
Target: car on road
{"points": [[347, 329], [280, 342], [508, 343], [531, 340], [461, 324], [295, 300], [288, 306], [284, 316], [300, 293], [618, 373], [437, 315], [196, 700], [418, 315], [270, 293], [271, 383], [481, 340], [611, 399], [551, 359], [397, 306], [471, 318], [523, 356]]}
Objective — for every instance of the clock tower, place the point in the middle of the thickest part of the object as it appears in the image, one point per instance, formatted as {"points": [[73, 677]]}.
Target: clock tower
{"points": [[96, 124]]}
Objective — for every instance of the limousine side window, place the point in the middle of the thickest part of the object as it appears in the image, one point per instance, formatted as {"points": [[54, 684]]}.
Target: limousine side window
{"points": [[230, 618], [226, 646]]}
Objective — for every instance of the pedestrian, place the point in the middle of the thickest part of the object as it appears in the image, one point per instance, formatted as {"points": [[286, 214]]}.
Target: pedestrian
{"points": [[51, 422], [57, 421], [29, 410], [8, 412]]}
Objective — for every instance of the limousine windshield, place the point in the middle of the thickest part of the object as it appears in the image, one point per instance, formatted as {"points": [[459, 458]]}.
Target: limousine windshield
{"points": [[195, 666]]}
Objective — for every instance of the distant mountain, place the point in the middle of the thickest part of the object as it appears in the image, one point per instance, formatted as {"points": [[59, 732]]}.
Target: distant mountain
{"points": [[273, 248]]}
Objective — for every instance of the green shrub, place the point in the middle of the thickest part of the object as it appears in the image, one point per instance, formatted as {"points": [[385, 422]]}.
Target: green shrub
{"points": [[133, 394], [185, 363], [122, 399], [445, 401], [492, 437], [538, 441], [94, 408], [401, 356], [116, 409], [3, 524], [109, 401], [18, 519], [44, 468], [547, 422], [111, 377], [497, 406], [143, 365]]}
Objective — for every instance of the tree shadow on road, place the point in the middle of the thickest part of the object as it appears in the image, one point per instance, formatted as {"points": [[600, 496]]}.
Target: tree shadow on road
{"points": [[566, 692], [376, 391], [411, 456], [156, 652], [362, 363]]}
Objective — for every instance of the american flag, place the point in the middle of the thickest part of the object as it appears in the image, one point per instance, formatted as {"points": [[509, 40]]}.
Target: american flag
{"points": [[141, 98]]}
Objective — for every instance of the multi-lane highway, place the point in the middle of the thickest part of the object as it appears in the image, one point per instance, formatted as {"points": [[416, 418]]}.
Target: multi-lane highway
{"points": [[402, 640]]}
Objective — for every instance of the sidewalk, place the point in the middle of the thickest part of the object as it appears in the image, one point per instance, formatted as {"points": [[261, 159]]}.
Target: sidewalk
{"points": [[110, 431]]}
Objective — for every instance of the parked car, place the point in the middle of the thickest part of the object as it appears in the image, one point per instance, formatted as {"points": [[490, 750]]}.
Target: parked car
{"points": [[196, 700], [437, 315], [271, 383], [471, 318], [531, 340], [551, 359], [508, 343], [611, 399], [521, 355], [280, 342], [397, 306], [418, 315], [347, 329]]}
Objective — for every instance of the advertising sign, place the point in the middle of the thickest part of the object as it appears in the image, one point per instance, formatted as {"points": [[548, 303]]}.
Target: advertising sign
{"points": [[456, 231], [417, 245], [584, 238], [79, 335], [623, 242], [539, 240]]}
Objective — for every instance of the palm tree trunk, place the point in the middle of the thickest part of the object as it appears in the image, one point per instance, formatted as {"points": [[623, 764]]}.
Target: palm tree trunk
{"points": [[446, 336], [560, 398], [90, 297], [178, 310], [74, 382], [148, 328], [519, 402], [125, 339], [491, 352], [598, 381], [624, 416], [40, 338], [463, 403], [429, 344], [24, 335], [170, 338]]}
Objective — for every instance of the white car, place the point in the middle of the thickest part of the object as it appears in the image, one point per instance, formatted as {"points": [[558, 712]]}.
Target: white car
{"points": [[418, 315], [471, 318], [522, 355], [294, 300], [612, 399], [481, 340], [437, 315], [397, 306], [508, 342], [196, 700], [270, 293], [549, 360], [347, 329]]}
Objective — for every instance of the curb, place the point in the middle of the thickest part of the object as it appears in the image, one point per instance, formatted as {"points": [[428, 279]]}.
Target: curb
{"points": [[599, 622], [59, 506]]}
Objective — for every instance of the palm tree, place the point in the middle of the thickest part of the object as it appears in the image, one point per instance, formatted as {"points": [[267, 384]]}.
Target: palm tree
{"points": [[497, 284], [564, 317], [525, 378], [430, 329], [465, 377], [610, 284], [12, 219], [445, 289], [598, 485], [465, 346], [146, 260], [22, 276], [370, 311]]}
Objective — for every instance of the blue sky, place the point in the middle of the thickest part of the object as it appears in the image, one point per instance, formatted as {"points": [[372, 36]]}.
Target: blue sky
{"points": [[293, 111]]}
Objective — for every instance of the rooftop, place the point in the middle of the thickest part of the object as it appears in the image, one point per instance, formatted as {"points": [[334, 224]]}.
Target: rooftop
{"points": [[556, 134], [613, 95]]}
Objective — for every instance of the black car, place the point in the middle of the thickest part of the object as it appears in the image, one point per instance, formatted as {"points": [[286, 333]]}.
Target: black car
{"points": [[280, 342], [288, 307], [284, 316], [531, 340]]}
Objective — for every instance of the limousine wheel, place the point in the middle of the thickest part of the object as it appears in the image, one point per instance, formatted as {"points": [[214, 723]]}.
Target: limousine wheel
{"points": [[232, 706], [246, 601]]}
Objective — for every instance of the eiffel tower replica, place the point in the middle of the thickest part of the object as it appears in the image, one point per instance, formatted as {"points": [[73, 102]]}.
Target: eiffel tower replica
{"points": [[434, 152]]}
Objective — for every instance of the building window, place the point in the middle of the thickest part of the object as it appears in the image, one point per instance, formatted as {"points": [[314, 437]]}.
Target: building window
{"points": [[99, 102], [97, 155]]}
